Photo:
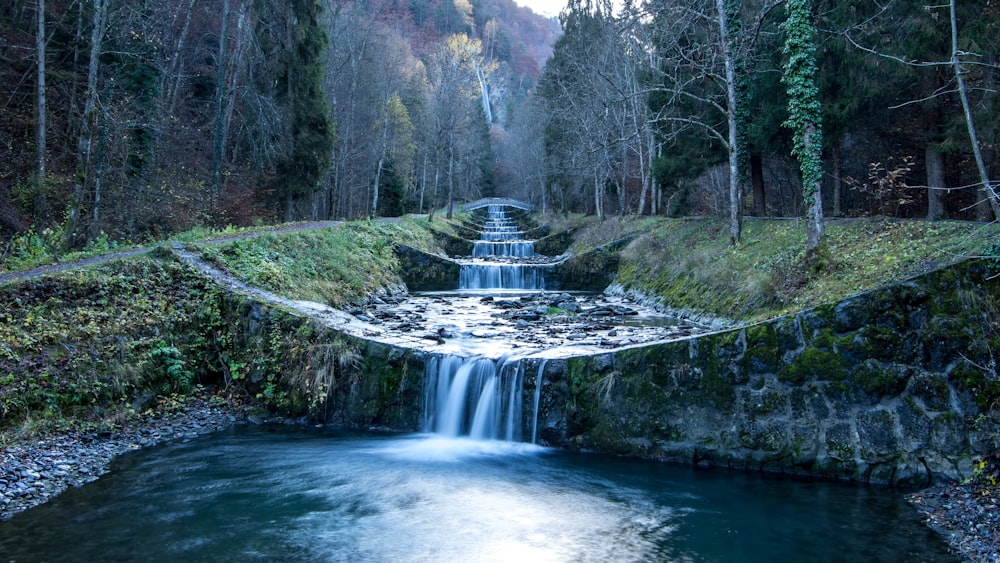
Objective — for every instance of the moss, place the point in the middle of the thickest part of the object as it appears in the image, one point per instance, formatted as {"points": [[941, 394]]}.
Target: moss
{"points": [[877, 380], [970, 379], [813, 363], [762, 355], [825, 340], [933, 391]]}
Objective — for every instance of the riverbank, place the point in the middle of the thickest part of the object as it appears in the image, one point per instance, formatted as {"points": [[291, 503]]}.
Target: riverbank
{"points": [[34, 471], [31, 473], [966, 514]]}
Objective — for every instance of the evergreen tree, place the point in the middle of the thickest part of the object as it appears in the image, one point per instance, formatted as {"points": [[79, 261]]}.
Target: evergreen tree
{"points": [[311, 130]]}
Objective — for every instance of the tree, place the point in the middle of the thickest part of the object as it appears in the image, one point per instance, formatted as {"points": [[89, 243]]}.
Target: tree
{"points": [[704, 50], [804, 114], [41, 106], [85, 176], [310, 134], [941, 64], [456, 105]]}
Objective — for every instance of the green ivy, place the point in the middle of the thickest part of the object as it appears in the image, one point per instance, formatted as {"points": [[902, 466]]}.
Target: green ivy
{"points": [[804, 111]]}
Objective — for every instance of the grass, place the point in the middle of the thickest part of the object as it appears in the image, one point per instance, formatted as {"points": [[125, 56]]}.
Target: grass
{"points": [[689, 264], [335, 266]]}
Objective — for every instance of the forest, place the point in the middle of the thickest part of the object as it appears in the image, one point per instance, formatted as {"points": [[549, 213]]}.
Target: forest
{"points": [[132, 120]]}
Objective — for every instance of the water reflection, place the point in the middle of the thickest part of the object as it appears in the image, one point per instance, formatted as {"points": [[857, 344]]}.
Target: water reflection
{"points": [[306, 495]]}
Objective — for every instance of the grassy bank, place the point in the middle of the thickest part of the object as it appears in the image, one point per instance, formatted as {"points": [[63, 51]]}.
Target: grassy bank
{"points": [[90, 349], [688, 263], [87, 349], [335, 266]]}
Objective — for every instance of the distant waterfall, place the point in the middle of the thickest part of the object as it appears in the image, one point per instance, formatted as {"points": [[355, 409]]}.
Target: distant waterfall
{"points": [[485, 90]]}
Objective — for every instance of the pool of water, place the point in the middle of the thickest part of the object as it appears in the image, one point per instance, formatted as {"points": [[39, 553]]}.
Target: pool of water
{"points": [[297, 494]]}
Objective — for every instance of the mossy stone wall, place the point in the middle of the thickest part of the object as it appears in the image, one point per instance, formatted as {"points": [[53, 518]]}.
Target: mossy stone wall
{"points": [[299, 367], [882, 388]]}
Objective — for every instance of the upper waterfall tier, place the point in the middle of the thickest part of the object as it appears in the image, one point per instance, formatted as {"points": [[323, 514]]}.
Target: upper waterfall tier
{"points": [[501, 238]]}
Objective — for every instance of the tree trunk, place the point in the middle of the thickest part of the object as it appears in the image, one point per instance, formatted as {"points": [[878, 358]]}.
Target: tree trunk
{"points": [[598, 198], [381, 159], [451, 174], [837, 181], [757, 183], [74, 222], [218, 146], [423, 185], [935, 182], [814, 215], [987, 190], [40, 142], [735, 194], [175, 69]]}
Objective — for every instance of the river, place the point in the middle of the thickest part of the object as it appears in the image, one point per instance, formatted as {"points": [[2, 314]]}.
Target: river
{"points": [[303, 494]]}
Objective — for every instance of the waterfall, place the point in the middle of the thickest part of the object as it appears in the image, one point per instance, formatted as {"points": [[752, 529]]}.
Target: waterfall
{"points": [[514, 249], [529, 277], [478, 397], [485, 92], [475, 397], [501, 238], [538, 399]]}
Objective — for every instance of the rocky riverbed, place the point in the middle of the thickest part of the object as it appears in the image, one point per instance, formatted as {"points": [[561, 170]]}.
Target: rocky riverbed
{"points": [[497, 322], [33, 472]]}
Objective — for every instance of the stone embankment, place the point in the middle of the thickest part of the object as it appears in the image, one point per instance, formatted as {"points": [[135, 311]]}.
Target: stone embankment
{"points": [[881, 388]]}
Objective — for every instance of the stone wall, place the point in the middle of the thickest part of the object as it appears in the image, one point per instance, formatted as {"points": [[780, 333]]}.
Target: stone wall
{"points": [[880, 388], [298, 366]]}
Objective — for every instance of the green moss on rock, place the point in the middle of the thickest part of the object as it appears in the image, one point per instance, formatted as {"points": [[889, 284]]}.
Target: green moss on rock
{"points": [[814, 364]]}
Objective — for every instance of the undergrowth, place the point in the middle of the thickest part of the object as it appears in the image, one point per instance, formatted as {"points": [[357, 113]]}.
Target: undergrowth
{"points": [[88, 348]]}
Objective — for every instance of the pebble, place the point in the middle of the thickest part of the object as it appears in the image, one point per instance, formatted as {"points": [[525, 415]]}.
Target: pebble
{"points": [[966, 514], [33, 472]]}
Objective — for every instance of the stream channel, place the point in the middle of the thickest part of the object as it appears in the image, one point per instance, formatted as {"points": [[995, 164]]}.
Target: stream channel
{"points": [[474, 486]]}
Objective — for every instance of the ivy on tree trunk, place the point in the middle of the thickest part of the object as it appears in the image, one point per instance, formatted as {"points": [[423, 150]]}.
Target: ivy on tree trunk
{"points": [[804, 112]]}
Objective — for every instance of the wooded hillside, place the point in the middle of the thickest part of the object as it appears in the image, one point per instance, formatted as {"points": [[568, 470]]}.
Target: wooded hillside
{"points": [[145, 118]]}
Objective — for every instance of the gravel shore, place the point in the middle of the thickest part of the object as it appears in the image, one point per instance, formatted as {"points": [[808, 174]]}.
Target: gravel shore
{"points": [[966, 514], [32, 473]]}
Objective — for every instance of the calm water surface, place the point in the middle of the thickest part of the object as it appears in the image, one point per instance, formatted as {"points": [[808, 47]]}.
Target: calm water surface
{"points": [[280, 494]]}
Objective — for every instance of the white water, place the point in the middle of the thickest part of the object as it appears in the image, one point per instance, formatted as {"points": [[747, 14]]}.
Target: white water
{"points": [[528, 277], [500, 238], [538, 399], [516, 249], [479, 398]]}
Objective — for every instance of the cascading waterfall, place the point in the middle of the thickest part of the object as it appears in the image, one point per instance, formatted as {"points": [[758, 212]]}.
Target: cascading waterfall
{"points": [[514, 249], [475, 397], [479, 397], [538, 399], [502, 276], [500, 238]]}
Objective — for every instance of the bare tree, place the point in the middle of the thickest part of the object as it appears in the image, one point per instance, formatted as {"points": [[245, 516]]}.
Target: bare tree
{"points": [[74, 234], [41, 110]]}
